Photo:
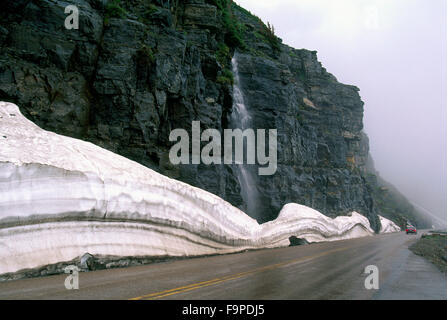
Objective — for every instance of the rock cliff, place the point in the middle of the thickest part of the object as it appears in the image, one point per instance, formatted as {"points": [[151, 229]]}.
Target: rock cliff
{"points": [[135, 70]]}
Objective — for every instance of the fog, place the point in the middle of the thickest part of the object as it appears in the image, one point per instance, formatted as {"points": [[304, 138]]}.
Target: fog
{"points": [[395, 51]]}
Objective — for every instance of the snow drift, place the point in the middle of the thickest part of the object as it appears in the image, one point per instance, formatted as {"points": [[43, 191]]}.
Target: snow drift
{"points": [[388, 226], [61, 197]]}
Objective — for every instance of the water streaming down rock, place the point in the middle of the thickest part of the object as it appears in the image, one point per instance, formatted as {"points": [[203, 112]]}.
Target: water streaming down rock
{"points": [[246, 174]]}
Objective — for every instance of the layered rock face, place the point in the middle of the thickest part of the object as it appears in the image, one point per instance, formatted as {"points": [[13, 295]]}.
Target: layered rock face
{"points": [[322, 150], [136, 70]]}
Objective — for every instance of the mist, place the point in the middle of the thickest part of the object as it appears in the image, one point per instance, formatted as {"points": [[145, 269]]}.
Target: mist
{"points": [[396, 53]]}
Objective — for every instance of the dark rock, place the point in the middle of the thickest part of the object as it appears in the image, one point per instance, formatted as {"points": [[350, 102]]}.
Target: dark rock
{"points": [[87, 262], [161, 17], [3, 35], [200, 15], [294, 241]]}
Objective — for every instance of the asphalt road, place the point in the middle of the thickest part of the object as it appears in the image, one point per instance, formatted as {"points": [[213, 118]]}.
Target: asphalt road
{"points": [[332, 270]]}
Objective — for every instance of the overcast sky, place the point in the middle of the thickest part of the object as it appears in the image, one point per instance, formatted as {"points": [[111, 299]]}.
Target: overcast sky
{"points": [[395, 51]]}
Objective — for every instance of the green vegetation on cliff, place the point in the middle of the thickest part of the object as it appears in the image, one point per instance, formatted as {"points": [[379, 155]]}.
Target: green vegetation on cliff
{"points": [[226, 77], [256, 30], [233, 28], [114, 9]]}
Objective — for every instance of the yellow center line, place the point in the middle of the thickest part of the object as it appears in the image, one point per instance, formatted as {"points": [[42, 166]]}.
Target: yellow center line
{"points": [[202, 284]]}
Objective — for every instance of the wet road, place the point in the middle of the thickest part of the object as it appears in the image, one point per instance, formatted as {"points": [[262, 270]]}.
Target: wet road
{"points": [[332, 270]]}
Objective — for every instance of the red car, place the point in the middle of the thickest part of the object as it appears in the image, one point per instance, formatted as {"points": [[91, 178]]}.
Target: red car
{"points": [[411, 229]]}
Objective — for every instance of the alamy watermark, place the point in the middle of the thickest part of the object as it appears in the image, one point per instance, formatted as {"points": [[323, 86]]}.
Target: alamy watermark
{"points": [[372, 280], [72, 281], [211, 153], [72, 21]]}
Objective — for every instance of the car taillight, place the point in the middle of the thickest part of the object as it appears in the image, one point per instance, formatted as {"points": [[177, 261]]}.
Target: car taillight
{"points": [[406, 230]]}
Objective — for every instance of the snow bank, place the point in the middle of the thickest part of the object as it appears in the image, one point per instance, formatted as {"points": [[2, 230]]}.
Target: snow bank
{"points": [[307, 223], [388, 226], [61, 197]]}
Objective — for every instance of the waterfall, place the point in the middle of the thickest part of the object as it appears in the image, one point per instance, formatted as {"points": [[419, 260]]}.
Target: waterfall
{"points": [[246, 175]]}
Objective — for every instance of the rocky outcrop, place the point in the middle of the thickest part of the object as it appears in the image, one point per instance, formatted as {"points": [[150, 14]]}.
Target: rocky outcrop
{"points": [[135, 70]]}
